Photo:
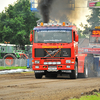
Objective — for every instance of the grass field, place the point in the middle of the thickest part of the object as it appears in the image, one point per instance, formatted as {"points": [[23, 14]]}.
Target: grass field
{"points": [[12, 67], [89, 97]]}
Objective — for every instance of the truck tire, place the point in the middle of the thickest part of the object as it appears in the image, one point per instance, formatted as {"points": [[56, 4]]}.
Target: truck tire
{"points": [[9, 59], [91, 66], [38, 75], [74, 73]]}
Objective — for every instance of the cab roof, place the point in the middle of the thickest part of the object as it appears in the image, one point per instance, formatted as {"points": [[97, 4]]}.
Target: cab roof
{"points": [[54, 26]]}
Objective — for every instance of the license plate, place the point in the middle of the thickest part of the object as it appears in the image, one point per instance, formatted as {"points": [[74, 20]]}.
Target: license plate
{"points": [[52, 68]]}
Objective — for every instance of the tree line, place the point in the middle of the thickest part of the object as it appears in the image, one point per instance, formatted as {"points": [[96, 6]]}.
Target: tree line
{"points": [[93, 20], [16, 22]]}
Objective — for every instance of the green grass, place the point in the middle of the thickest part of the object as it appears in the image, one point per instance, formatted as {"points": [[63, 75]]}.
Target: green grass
{"points": [[12, 67], [89, 97]]}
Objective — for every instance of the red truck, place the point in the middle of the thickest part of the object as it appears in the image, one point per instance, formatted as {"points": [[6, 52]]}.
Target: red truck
{"points": [[55, 50]]}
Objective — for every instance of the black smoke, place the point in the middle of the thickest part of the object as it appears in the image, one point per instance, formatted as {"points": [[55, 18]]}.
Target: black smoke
{"points": [[62, 10], [45, 6]]}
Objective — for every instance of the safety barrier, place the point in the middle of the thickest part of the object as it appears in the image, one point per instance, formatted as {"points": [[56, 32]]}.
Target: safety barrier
{"points": [[16, 62]]}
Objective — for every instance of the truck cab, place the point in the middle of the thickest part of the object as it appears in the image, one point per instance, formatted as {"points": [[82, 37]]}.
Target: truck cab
{"points": [[54, 50]]}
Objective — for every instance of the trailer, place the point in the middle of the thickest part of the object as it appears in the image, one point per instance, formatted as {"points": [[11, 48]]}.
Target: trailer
{"points": [[90, 56]]}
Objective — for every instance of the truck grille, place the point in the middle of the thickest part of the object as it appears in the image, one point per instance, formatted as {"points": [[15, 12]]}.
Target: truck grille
{"points": [[53, 52]]}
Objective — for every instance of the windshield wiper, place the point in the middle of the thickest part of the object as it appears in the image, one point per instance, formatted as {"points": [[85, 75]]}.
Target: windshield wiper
{"points": [[65, 42], [51, 42]]}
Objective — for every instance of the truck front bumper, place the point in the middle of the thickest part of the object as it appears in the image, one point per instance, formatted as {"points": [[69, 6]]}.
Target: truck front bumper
{"points": [[57, 72], [53, 67]]}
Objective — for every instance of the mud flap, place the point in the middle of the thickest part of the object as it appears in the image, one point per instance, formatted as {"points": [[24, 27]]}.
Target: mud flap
{"points": [[85, 74]]}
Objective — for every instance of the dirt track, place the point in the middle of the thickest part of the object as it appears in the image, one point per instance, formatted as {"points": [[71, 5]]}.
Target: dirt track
{"points": [[24, 86]]}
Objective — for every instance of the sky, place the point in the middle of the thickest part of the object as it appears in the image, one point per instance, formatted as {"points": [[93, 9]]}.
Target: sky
{"points": [[5, 3]]}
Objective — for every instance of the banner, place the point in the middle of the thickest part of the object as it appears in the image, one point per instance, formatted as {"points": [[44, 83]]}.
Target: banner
{"points": [[94, 4]]}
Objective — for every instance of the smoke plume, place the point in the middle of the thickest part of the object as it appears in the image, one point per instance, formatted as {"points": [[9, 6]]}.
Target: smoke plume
{"points": [[44, 7], [62, 10]]}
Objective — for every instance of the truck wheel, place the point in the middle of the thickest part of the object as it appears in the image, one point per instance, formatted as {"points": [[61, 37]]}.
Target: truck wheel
{"points": [[85, 74], [74, 73], [9, 59], [91, 66], [38, 75]]}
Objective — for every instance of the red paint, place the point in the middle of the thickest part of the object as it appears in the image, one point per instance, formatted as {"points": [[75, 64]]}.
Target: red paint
{"points": [[81, 59], [74, 52]]}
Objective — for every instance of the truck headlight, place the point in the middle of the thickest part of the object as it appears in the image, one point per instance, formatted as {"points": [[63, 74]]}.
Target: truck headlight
{"points": [[58, 63], [36, 66], [49, 63], [45, 63], [54, 63], [68, 61], [37, 61]]}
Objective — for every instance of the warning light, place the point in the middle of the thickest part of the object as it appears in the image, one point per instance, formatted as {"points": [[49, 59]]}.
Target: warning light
{"points": [[41, 24], [63, 24], [52, 24]]}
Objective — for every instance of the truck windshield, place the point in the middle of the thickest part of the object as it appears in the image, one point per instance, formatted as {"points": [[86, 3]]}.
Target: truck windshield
{"points": [[94, 39], [53, 36]]}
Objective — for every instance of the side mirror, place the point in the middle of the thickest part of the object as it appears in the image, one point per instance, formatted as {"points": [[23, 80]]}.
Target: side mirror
{"points": [[31, 35], [76, 37]]}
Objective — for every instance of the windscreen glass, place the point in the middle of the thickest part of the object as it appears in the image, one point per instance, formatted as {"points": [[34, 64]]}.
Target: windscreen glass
{"points": [[64, 36]]}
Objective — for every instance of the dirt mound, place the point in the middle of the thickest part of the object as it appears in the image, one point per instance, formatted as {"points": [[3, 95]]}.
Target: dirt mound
{"points": [[93, 92]]}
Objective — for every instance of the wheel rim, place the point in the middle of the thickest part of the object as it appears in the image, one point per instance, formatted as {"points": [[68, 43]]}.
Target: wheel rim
{"points": [[76, 71], [9, 60], [86, 71]]}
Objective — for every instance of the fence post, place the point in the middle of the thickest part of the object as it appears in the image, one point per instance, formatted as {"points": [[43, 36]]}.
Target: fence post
{"points": [[15, 62], [20, 62], [4, 62], [10, 63]]}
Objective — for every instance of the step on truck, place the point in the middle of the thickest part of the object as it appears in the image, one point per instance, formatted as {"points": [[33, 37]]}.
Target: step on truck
{"points": [[54, 50]]}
